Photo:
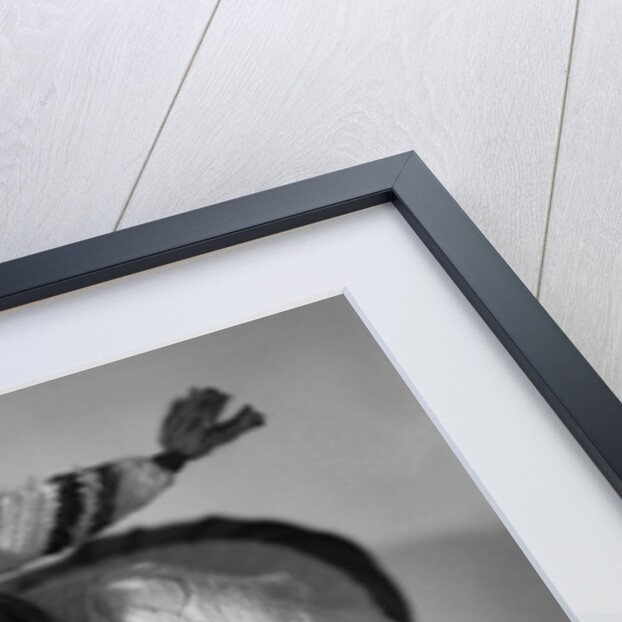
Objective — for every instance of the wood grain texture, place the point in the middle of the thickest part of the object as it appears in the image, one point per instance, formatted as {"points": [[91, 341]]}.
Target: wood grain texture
{"points": [[282, 91], [582, 273], [84, 87]]}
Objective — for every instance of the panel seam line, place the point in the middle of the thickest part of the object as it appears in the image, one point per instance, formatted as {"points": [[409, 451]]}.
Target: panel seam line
{"points": [[166, 116], [547, 219]]}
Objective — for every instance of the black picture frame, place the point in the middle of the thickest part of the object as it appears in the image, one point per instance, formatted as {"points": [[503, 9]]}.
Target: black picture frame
{"points": [[572, 388]]}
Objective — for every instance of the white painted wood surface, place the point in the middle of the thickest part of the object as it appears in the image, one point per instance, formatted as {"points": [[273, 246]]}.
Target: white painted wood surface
{"points": [[582, 275], [282, 91], [84, 87]]}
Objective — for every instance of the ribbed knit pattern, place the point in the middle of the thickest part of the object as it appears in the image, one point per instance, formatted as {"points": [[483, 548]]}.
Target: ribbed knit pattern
{"points": [[50, 516]]}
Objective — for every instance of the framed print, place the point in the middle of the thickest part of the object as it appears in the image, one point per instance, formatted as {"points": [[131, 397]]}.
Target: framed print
{"points": [[468, 465]]}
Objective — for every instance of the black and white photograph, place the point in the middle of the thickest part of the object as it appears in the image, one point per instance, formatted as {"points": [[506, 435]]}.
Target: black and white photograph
{"points": [[278, 470]]}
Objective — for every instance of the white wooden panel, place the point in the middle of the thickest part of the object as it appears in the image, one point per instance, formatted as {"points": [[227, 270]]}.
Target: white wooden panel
{"points": [[84, 87], [582, 276], [281, 91]]}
